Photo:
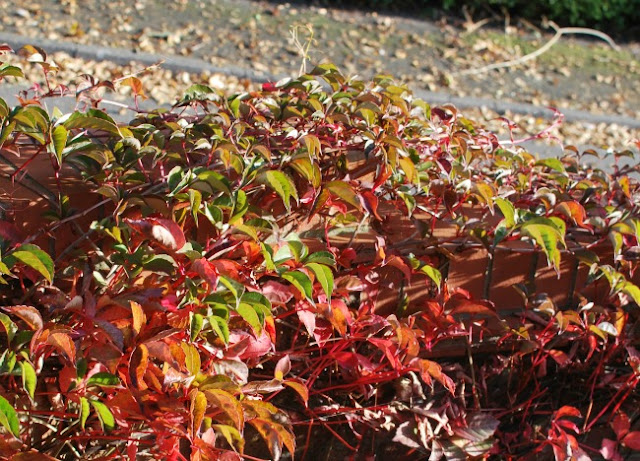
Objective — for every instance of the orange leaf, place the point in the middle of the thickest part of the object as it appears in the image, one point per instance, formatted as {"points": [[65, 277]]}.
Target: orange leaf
{"points": [[198, 409], [64, 344], [191, 358], [429, 369], [29, 314], [300, 388], [227, 403], [139, 318], [574, 210], [138, 366], [136, 86], [270, 435]]}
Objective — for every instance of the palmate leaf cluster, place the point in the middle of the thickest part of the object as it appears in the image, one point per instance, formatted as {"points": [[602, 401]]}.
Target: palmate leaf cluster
{"points": [[278, 263]]}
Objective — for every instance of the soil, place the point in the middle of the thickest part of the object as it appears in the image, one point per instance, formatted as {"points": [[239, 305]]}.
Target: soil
{"points": [[585, 74]]}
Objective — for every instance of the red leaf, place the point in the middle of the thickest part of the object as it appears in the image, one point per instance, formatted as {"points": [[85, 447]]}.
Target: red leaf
{"points": [[385, 173], [31, 456], [227, 403], [64, 344], [567, 412], [206, 271], [370, 203], [66, 377], [621, 424], [277, 292], [9, 232], [254, 348], [164, 231], [609, 450], [632, 440], [398, 263], [560, 357], [228, 268], [29, 314], [390, 350], [308, 319], [283, 367], [263, 387], [459, 304], [479, 427]]}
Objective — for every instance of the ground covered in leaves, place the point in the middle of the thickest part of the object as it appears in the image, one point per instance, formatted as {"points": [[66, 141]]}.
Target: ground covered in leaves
{"points": [[426, 54]]}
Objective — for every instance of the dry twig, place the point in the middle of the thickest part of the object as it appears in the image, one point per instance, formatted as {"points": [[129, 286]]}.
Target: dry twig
{"points": [[560, 31]]}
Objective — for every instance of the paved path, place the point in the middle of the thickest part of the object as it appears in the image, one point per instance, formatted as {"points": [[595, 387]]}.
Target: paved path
{"points": [[197, 66]]}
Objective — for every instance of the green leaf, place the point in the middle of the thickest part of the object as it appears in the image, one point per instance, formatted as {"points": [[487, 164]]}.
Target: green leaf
{"points": [[4, 108], [192, 359], [282, 185], [249, 314], [7, 70], [433, 273], [300, 281], [308, 169], [84, 411], [199, 92], [235, 288], [161, 263], [255, 298], [508, 211], [298, 249], [34, 257], [312, 144], [324, 276], [501, 232], [547, 237], [344, 191], [10, 327], [9, 417], [59, 139], [321, 257], [93, 119], [485, 192], [29, 378], [221, 327], [6, 131], [231, 435], [195, 199], [240, 207], [409, 169], [103, 379], [632, 290], [267, 253], [552, 163], [212, 181], [196, 326], [104, 415]]}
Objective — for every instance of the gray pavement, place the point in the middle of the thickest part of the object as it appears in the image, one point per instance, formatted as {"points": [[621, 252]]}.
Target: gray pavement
{"points": [[194, 65]]}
